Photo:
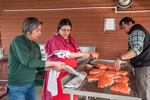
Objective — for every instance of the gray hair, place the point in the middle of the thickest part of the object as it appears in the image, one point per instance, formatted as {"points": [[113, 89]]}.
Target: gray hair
{"points": [[30, 23]]}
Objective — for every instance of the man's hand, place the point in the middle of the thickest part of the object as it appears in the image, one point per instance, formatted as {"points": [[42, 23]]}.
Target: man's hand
{"points": [[117, 63]]}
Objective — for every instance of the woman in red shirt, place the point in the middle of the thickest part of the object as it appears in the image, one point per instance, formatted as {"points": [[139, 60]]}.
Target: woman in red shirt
{"points": [[61, 47]]}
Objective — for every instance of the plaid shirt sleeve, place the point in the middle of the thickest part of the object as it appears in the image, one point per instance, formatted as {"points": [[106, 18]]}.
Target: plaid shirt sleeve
{"points": [[136, 41]]}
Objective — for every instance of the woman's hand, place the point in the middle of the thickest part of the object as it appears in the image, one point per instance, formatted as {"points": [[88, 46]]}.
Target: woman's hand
{"points": [[94, 54], [117, 63], [90, 55], [84, 54], [56, 65]]}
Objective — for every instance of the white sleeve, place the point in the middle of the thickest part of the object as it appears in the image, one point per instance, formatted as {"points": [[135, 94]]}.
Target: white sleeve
{"points": [[62, 53]]}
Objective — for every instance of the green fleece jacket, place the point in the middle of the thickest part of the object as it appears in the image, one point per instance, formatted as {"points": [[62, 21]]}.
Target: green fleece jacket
{"points": [[24, 57]]}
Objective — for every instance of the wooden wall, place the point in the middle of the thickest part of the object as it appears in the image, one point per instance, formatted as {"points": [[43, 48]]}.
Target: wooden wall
{"points": [[87, 24]]}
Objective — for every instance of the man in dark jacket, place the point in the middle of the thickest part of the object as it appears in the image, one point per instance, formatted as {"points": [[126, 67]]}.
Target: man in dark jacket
{"points": [[138, 53]]}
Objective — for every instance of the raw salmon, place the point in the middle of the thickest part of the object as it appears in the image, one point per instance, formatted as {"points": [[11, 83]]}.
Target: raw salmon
{"points": [[107, 81], [92, 78], [109, 73], [110, 67], [96, 71], [122, 73], [105, 66], [101, 66], [122, 79], [122, 88]]}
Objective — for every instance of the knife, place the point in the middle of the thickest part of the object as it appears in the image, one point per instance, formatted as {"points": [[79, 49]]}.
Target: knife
{"points": [[70, 70]]}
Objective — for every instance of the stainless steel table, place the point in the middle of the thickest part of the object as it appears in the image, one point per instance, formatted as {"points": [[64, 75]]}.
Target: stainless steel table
{"points": [[90, 89]]}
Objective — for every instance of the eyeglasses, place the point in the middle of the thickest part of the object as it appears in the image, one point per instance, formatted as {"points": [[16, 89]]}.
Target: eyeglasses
{"points": [[65, 30]]}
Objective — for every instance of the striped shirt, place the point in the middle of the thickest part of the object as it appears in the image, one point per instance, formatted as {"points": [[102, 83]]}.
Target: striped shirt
{"points": [[136, 41]]}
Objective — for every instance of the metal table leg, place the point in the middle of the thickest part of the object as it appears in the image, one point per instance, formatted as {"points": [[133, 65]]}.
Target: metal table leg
{"points": [[87, 98]]}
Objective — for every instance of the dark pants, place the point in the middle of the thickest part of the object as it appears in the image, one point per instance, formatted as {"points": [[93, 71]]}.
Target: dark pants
{"points": [[142, 76]]}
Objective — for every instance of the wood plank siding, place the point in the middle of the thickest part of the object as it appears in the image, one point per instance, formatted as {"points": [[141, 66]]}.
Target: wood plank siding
{"points": [[87, 23]]}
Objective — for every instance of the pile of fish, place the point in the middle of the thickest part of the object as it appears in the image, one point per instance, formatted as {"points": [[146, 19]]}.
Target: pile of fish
{"points": [[108, 75]]}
